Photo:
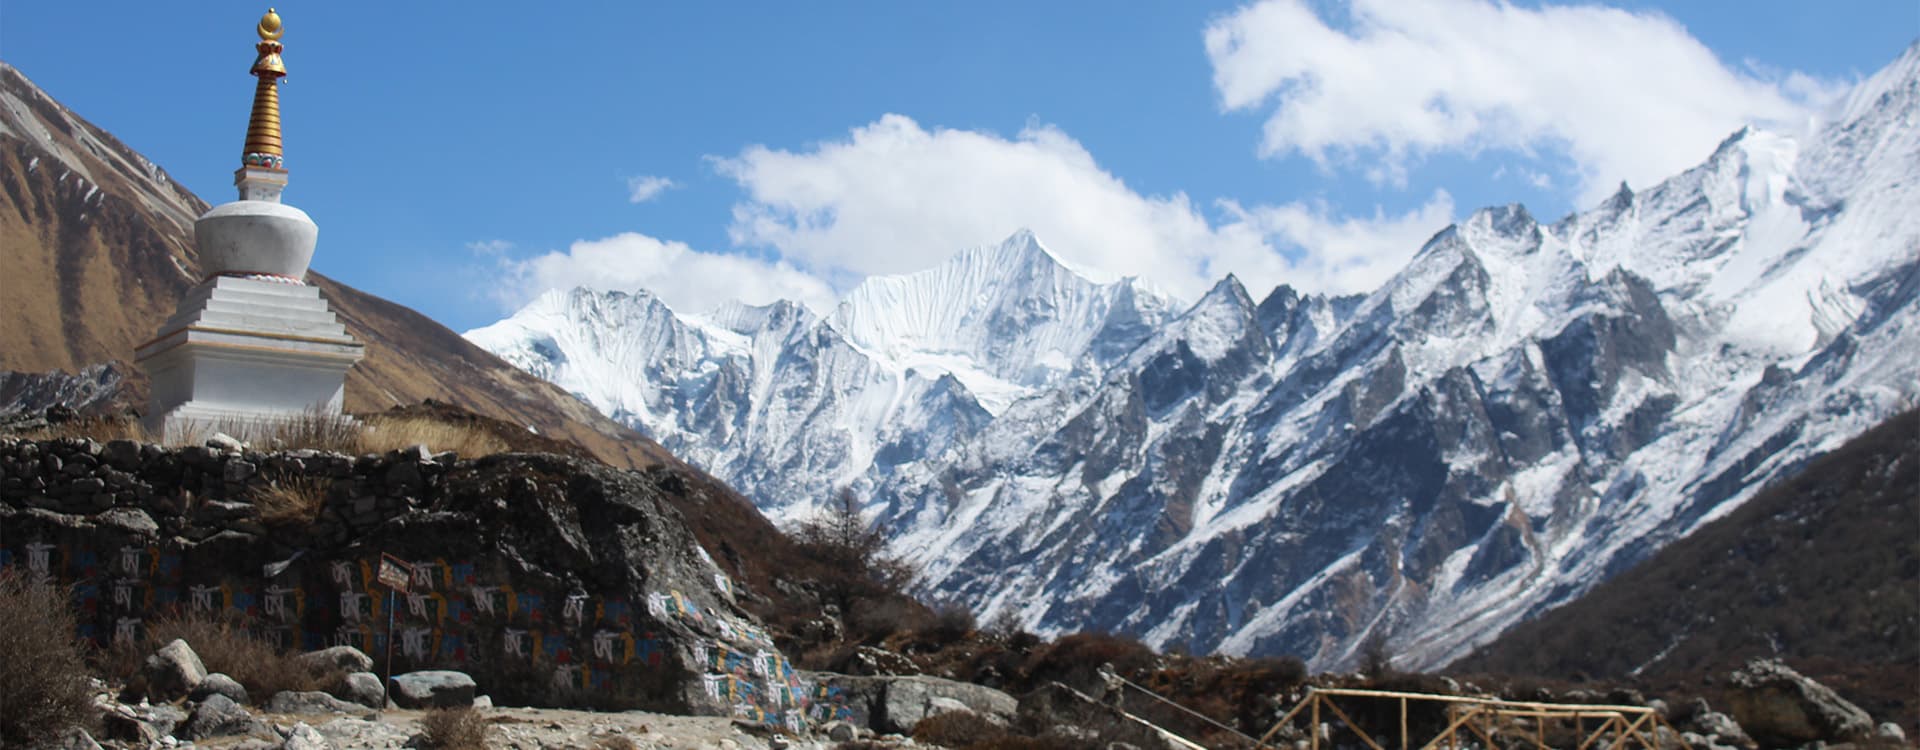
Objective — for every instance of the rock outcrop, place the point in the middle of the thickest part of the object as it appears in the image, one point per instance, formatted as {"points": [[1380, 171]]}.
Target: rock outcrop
{"points": [[550, 580], [1780, 707]]}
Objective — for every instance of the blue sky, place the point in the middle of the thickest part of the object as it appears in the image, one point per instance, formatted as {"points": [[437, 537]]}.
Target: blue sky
{"points": [[460, 158]]}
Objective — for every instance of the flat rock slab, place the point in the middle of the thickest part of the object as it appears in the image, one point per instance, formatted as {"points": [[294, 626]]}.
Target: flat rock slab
{"points": [[434, 688]]}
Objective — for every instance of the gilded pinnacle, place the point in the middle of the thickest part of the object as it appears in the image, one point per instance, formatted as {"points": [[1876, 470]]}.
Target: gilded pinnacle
{"points": [[263, 129]]}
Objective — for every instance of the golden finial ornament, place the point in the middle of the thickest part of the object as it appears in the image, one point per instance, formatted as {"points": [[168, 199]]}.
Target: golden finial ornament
{"points": [[263, 129]]}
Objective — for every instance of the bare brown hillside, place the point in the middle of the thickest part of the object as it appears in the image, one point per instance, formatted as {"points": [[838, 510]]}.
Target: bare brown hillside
{"points": [[98, 243]]}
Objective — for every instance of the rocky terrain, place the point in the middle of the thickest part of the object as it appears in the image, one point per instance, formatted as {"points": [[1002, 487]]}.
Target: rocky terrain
{"points": [[1821, 570]]}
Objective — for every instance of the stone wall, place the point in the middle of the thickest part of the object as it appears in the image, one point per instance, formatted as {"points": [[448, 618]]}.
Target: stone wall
{"points": [[553, 581]]}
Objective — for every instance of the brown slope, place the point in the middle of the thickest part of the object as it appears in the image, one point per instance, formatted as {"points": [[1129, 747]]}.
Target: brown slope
{"points": [[1822, 570], [98, 243]]}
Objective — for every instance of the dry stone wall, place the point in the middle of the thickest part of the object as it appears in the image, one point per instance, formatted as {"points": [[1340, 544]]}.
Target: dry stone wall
{"points": [[553, 581]]}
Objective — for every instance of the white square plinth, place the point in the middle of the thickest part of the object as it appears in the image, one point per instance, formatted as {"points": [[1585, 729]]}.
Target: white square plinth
{"points": [[241, 351]]}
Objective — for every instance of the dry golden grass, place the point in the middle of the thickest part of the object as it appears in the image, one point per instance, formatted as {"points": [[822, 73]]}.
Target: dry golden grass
{"points": [[43, 682], [97, 429], [342, 434], [393, 433], [453, 729], [291, 501], [224, 645]]}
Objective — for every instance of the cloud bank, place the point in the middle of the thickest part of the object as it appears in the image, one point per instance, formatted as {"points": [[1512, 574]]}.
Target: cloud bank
{"points": [[1627, 95]]}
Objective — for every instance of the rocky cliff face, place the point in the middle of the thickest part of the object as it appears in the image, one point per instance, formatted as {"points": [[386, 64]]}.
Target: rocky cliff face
{"points": [[554, 581], [1526, 409]]}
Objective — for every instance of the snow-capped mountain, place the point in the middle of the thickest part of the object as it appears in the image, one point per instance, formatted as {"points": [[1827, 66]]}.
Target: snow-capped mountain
{"points": [[789, 407], [1522, 411]]}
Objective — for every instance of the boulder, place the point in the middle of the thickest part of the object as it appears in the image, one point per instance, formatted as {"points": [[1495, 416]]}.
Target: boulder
{"points": [[217, 716], [907, 701], [173, 672], [362, 688], [303, 737], [840, 731], [434, 688], [1720, 727], [1778, 707], [220, 684], [1892, 731], [343, 658], [310, 703]]}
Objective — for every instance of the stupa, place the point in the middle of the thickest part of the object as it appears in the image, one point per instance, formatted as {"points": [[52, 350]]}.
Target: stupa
{"points": [[252, 344]]}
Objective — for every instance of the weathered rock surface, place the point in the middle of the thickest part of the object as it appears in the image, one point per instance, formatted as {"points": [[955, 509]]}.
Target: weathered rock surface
{"points": [[310, 703], [217, 716], [174, 671], [362, 688], [438, 688], [303, 737], [1779, 707], [220, 684], [343, 658], [573, 583], [897, 703]]}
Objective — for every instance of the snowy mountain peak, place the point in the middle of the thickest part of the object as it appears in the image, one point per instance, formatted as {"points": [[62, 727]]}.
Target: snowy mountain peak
{"points": [[1518, 413]]}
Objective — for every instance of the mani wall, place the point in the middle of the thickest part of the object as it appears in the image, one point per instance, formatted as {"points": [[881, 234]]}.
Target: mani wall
{"points": [[551, 580]]}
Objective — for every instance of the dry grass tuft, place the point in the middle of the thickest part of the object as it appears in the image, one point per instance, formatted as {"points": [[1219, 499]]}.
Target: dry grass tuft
{"points": [[453, 729], [394, 433], [338, 433], [292, 501], [43, 679], [226, 646], [97, 429]]}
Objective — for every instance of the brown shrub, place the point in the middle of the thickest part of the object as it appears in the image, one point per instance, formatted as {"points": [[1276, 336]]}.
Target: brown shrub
{"points": [[291, 501], [453, 729], [225, 646], [43, 679], [1075, 659]]}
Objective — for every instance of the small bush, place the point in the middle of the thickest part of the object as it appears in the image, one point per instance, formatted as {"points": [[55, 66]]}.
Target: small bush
{"points": [[951, 623], [291, 501], [43, 679], [225, 646], [453, 729]]}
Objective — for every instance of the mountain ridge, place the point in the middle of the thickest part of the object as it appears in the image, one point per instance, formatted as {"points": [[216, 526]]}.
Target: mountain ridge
{"points": [[1523, 410]]}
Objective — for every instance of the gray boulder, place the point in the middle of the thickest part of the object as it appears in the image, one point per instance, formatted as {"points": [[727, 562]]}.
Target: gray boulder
{"points": [[217, 716], [343, 658], [362, 688], [220, 684], [310, 703], [434, 688], [1779, 707], [909, 700], [303, 737], [1720, 727], [173, 672]]}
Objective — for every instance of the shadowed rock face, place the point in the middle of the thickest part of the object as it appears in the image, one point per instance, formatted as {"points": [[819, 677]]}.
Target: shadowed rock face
{"points": [[553, 581]]}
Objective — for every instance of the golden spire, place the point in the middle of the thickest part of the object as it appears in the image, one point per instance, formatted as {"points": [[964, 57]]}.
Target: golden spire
{"points": [[263, 130]]}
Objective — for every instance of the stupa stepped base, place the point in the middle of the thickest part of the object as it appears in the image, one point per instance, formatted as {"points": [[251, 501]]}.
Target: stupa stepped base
{"points": [[243, 354]]}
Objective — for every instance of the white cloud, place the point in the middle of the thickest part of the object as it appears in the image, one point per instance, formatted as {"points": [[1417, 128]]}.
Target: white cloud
{"points": [[688, 280], [895, 197], [647, 187], [1344, 255], [1627, 95]]}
